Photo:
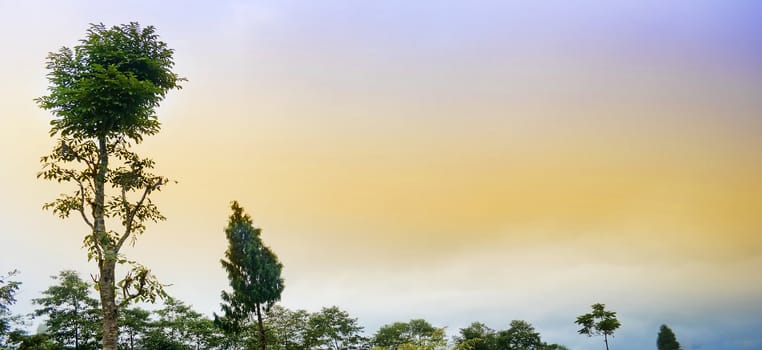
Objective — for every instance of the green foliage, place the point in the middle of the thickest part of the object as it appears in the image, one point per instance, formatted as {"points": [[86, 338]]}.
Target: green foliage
{"points": [[110, 84], [8, 289], [666, 340], [40, 341], [520, 336], [598, 322], [73, 316], [133, 325], [176, 326], [156, 340], [287, 329], [333, 329], [416, 334], [254, 273], [476, 336]]}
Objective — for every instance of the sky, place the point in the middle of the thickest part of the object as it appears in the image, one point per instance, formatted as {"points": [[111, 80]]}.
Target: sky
{"points": [[456, 161]]}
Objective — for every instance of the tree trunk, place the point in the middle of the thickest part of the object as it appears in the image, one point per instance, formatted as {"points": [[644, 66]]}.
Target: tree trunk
{"points": [[606, 340], [108, 301], [107, 257], [262, 344]]}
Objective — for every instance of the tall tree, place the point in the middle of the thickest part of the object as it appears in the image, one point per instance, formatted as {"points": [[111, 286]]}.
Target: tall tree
{"points": [[254, 273], [72, 314], [666, 339], [598, 322], [103, 94]]}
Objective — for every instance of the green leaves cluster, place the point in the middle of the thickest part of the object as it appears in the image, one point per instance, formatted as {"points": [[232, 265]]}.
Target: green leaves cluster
{"points": [[8, 290], [415, 334], [110, 84], [598, 322], [520, 335], [329, 328]]}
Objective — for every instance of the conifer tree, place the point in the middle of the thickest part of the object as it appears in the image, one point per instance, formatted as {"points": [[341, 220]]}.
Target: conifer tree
{"points": [[254, 273], [666, 339]]}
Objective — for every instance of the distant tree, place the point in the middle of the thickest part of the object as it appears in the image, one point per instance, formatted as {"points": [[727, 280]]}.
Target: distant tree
{"points": [[287, 329], [180, 323], [416, 334], [520, 336], [8, 289], [477, 336], [134, 323], [666, 339], [156, 340], [73, 316], [333, 329], [103, 96], [254, 273], [204, 334], [391, 336], [598, 322]]}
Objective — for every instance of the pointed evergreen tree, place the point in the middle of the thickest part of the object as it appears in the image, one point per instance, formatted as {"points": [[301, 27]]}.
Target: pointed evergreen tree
{"points": [[254, 274], [666, 339]]}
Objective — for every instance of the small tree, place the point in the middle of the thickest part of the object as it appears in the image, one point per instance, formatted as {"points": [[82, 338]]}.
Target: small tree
{"points": [[254, 273], [72, 314], [103, 95], [598, 322], [666, 339]]}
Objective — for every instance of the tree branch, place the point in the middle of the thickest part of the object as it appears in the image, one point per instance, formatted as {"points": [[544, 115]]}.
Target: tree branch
{"points": [[131, 213], [81, 208]]}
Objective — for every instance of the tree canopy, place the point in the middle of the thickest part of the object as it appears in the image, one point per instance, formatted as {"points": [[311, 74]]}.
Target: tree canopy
{"points": [[110, 84]]}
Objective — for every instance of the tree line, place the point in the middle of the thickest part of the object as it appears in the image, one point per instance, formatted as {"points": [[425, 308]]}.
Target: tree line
{"points": [[71, 319]]}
